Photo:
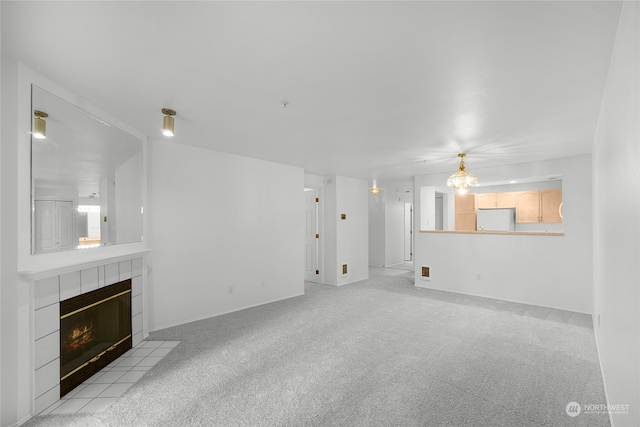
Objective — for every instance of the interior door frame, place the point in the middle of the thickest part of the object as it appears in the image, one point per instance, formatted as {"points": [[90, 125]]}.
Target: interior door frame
{"points": [[408, 222], [321, 231]]}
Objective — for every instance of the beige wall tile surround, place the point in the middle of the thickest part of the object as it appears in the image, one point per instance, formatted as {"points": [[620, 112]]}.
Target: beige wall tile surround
{"points": [[47, 292], [47, 349], [125, 269], [47, 320], [112, 273], [70, 285], [136, 305], [136, 267], [101, 278], [47, 377], [89, 280], [47, 399], [136, 286]]}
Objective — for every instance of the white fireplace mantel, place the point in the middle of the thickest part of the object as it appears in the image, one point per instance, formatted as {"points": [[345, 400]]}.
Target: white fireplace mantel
{"points": [[71, 266]]}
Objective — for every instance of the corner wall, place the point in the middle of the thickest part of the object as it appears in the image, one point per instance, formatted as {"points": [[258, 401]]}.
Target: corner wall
{"points": [[14, 294], [347, 240], [222, 239], [616, 226]]}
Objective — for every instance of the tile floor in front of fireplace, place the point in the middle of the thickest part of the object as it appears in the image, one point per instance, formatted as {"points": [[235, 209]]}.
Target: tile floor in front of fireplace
{"points": [[105, 387]]}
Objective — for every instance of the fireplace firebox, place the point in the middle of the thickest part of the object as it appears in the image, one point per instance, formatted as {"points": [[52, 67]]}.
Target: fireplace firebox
{"points": [[95, 329]]}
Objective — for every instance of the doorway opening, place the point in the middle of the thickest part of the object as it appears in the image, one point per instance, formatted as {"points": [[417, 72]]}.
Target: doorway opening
{"points": [[439, 211], [408, 231], [311, 236]]}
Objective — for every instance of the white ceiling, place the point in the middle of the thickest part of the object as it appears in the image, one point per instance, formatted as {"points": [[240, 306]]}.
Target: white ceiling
{"points": [[375, 90]]}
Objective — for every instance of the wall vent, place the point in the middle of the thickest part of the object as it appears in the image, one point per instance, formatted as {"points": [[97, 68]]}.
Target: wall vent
{"points": [[425, 273], [344, 269]]}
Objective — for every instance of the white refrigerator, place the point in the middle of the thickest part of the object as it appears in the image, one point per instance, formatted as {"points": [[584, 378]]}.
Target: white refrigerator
{"points": [[496, 220]]}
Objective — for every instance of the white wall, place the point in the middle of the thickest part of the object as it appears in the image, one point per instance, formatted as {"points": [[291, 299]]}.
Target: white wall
{"points": [[617, 222], [1, 237], [12, 408], [386, 227], [331, 217], [424, 210], [128, 200], [394, 227], [220, 222], [347, 240], [550, 271], [377, 229]]}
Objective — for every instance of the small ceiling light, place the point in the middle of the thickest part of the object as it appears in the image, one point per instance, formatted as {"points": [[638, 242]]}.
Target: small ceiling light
{"points": [[374, 189], [39, 125], [167, 122], [462, 181]]}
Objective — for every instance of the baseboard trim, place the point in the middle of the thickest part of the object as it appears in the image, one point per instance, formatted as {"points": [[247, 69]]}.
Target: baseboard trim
{"points": [[225, 312], [24, 420], [421, 285], [604, 383]]}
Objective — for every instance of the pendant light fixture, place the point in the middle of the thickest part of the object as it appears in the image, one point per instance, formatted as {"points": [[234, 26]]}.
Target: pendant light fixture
{"points": [[167, 122], [462, 181], [40, 125]]}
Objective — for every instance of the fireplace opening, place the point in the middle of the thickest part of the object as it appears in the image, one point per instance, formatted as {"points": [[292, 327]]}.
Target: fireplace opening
{"points": [[95, 329]]}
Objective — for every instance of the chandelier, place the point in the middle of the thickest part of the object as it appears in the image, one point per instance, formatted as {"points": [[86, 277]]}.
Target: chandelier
{"points": [[462, 181]]}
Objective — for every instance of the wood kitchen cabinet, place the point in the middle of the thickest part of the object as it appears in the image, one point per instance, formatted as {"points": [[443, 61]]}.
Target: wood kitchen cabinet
{"points": [[538, 206], [497, 200], [466, 207]]}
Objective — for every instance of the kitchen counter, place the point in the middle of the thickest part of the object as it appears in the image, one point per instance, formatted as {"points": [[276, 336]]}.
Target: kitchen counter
{"points": [[520, 233]]}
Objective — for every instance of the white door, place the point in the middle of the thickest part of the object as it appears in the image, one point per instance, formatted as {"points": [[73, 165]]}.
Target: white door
{"points": [[45, 226], [408, 231], [54, 225], [311, 236], [64, 212]]}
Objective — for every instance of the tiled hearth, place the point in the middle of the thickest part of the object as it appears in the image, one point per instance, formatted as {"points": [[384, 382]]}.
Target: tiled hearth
{"points": [[48, 292], [101, 390]]}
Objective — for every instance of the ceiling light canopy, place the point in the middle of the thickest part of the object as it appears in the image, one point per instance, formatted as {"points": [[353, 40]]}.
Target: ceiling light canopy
{"points": [[462, 181], [39, 125], [374, 189], [168, 122]]}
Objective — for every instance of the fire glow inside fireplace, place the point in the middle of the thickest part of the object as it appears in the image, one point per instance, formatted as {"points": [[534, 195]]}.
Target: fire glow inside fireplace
{"points": [[95, 329]]}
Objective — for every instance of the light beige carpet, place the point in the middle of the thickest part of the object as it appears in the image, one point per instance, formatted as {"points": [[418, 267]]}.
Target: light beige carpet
{"points": [[375, 353]]}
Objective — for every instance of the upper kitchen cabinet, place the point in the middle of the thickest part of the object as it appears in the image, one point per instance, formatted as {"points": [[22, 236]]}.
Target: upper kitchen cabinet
{"points": [[539, 206], [497, 200]]}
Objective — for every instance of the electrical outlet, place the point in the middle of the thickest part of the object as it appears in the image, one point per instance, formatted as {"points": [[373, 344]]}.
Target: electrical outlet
{"points": [[478, 277], [230, 289], [263, 283]]}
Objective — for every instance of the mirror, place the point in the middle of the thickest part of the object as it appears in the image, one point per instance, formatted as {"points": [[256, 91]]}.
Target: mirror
{"points": [[86, 179]]}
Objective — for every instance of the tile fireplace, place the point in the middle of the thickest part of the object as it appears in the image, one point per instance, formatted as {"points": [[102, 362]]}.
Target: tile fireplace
{"points": [[84, 286], [95, 329]]}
